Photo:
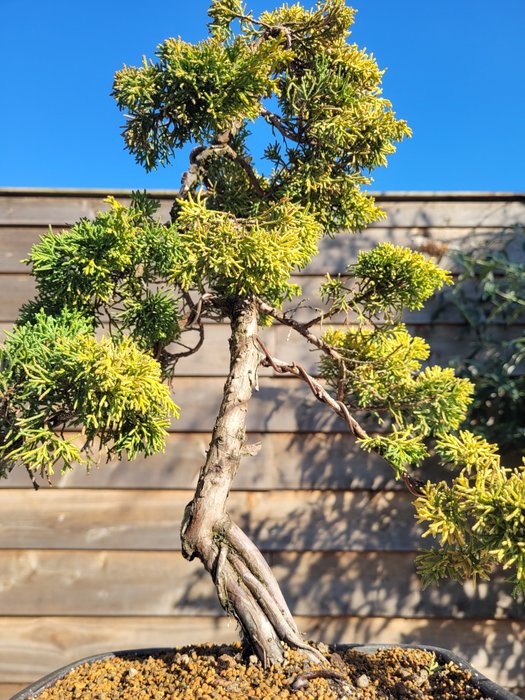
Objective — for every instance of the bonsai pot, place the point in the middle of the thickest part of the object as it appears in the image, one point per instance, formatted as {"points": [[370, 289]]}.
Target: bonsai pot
{"points": [[488, 689]]}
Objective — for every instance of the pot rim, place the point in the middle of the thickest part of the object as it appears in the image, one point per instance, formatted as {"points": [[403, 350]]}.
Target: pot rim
{"points": [[489, 688]]}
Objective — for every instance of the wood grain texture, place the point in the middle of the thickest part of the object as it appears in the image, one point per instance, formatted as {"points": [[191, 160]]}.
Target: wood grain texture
{"points": [[92, 583], [285, 461], [61, 209], [30, 647], [276, 520], [15, 290]]}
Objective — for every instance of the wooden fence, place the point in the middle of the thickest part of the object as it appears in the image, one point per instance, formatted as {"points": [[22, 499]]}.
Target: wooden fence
{"points": [[94, 564]]}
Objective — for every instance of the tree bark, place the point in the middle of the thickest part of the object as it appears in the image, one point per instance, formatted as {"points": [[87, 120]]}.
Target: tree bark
{"points": [[245, 585]]}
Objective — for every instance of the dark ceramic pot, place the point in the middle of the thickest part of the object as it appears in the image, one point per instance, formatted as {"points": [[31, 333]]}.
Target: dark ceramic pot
{"points": [[490, 690]]}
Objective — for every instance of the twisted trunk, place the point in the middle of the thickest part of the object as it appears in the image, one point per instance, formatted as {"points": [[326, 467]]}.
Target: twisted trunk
{"points": [[245, 585]]}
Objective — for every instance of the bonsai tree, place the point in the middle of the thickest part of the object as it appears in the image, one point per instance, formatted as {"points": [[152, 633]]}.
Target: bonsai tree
{"points": [[116, 297]]}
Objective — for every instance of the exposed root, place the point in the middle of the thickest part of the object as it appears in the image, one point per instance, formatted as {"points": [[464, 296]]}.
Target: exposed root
{"points": [[247, 590], [260, 568], [302, 680]]}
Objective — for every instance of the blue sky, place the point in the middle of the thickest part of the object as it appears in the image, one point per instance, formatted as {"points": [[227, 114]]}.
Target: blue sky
{"points": [[455, 72]]}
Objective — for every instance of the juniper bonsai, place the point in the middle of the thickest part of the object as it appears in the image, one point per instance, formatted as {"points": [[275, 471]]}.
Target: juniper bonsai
{"points": [[116, 297]]}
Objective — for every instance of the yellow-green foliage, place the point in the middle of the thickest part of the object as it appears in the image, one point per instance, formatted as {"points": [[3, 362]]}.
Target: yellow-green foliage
{"points": [[400, 448], [391, 278], [382, 373], [331, 125], [57, 376], [379, 364], [192, 91], [243, 257], [478, 518], [114, 267]]}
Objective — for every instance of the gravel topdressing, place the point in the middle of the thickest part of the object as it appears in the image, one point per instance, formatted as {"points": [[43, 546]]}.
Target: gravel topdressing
{"points": [[209, 672]]}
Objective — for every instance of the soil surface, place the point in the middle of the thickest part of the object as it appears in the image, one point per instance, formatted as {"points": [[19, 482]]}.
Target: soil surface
{"points": [[221, 671]]}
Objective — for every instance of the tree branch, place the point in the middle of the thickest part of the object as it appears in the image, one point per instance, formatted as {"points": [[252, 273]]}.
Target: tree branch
{"points": [[245, 165], [320, 393], [316, 388], [220, 146], [276, 122], [302, 328]]}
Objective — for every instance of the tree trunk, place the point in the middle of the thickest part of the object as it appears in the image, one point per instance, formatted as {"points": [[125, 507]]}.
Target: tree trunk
{"points": [[245, 585]]}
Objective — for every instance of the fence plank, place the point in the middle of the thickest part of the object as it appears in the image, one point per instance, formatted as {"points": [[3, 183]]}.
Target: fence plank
{"points": [[446, 341], [296, 461], [285, 461], [280, 405], [449, 211], [16, 289], [61, 209], [346, 583], [276, 520], [33, 646]]}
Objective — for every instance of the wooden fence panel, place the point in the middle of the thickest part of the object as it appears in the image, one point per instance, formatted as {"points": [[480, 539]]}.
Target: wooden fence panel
{"points": [[95, 564], [285, 461], [102, 582], [276, 520], [449, 210]]}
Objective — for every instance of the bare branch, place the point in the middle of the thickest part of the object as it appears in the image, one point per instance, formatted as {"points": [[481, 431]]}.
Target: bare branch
{"points": [[245, 165], [320, 393], [170, 359], [316, 388], [196, 309], [220, 146], [32, 477], [302, 328], [277, 122]]}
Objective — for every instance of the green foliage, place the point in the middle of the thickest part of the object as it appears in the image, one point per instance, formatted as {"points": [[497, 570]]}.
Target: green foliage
{"points": [[192, 92], [400, 448], [331, 91], [393, 278], [330, 129], [229, 188], [377, 362], [244, 257], [222, 13], [381, 366], [385, 281], [491, 288], [382, 374], [113, 270], [57, 376], [478, 514], [478, 519]]}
